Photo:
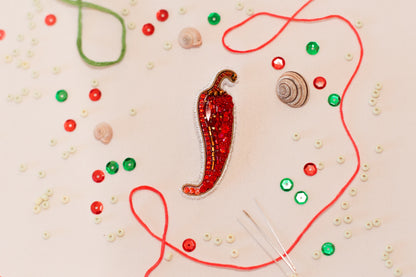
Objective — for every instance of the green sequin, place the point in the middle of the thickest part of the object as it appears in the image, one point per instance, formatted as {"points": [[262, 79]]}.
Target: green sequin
{"points": [[334, 100], [286, 184], [61, 95], [129, 164], [301, 197], [112, 167], [328, 248], [214, 18], [312, 48]]}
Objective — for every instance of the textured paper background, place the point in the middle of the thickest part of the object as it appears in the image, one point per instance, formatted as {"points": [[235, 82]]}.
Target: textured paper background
{"points": [[163, 139]]}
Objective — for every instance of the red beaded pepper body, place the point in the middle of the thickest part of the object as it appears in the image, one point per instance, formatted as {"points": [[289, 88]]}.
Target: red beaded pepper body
{"points": [[216, 120]]}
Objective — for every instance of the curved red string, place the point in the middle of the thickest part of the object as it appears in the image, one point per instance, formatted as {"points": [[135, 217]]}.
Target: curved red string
{"points": [[162, 239]]}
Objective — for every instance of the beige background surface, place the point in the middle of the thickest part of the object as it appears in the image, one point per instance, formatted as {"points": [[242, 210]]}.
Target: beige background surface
{"points": [[164, 141]]}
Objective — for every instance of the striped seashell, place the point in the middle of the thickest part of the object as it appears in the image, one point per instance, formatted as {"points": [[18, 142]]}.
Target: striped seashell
{"points": [[189, 38], [292, 89], [103, 132]]}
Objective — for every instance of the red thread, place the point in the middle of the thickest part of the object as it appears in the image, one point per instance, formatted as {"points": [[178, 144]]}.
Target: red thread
{"points": [[340, 193]]}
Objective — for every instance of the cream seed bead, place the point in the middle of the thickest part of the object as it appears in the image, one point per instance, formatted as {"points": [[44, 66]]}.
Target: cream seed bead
{"points": [[250, 11], [372, 102], [35, 41], [385, 256], [41, 174], [38, 201], [84, 113], [376, 111], [45, 205], [168, 256], [321, 166], [111, 237], [318, 144], [8, 59], [94, 83], [53, 142], [207, 236], [358, 24], [150, 65], [388, 263], [365, 167], [133, 2], [37, 95], [46, 235], [217, 241], [18, 99], [239, 6], [49, 192], [369, 225], [120, 233], [36, 209], [132, 112], [32, 25], [347, 234], [97, 219], [379, 149], [56, 70], [296, 136], [337, 221], [10, 97], [348, 57], [348, 219], [182, 10], [375, 94], [65, 155], [316, 255], [44, 197], [376, 222], [22, 167], [125, 11], [131, 25], [397, 272], [230, 238], [20, 37], [389, 248], [29, 15], [341, 159], [167, 45], [114, 199], [378, 86], [353, 191], [24, 92], [345, 205], [65, 199], [72, 149], [234, 253], [364, 177], [35, 74]]}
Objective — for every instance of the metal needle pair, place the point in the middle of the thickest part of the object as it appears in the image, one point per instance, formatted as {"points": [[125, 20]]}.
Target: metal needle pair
{"points": [[285, 257]]}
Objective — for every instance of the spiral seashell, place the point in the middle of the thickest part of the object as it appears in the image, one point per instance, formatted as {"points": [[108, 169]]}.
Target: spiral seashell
{"points": [[189, 38], [292, 89], [103, 132]]}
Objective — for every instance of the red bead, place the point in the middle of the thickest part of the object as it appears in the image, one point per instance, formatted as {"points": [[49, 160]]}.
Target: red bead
{"points": [[70, 125], [50, 19], [2, 34], [278, 63], [98, 176], [162, 15], [310, 169], [95, 94], [148, 29], [319, 82], [97, 207], [189, 245]]}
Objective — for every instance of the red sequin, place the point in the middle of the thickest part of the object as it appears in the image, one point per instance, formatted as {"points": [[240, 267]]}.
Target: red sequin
{"points": [[2, 34], [162, 15], [97, 207], [319, 82], [278, 63], [70, 125], [98, 176], [95, 94], [310, 169], [148, 29], [189, 245], [50, 19]]}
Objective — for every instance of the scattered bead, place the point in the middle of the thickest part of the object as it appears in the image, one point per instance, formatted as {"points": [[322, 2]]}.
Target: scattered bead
{"points": [[312, 48], [348, 57], [214, 18], [129, 164], [94, 83], [65, 199], [378, 86], [385, 257], [345, 205], [103, 132], [46, 235], [340, 159], [150, 65], [379, 149], [29, 15], [112, 167], [133, 2], [328, 248], [61, 95], [148, 29], [301, 197], [162, 15], [114, 199], [132, 112], [120, 233], [397, 272], [95, 94], [389, 248], [22, 167], [347, 234], [72, 149], [168, 256], [45, 205], [353, 191], [286, 184], [310, 169], [321, 166], [131, 25], [369, 225], [334, 100], [318, 144], [53, 142], [365, 167], [296, 136], [98, 176], [182, 10], [372, 102], [30, 53], [97, 207], [111, 237], [230, 238], [348, 219], [125, 12], [35, 41], [38, 201], [35, 74], [8, 59], [207, 236], [319, 82], [98, 219], [25, 92], [234, 253], [278, 63], [20, 37], [358, 24], [44, 197], [56, 70], [36, 209], [249, 11], [337, 221], [10, 97], [49, 192], [189, 245], [388, 263], [32, 25], [217, 241], [376, 222], [70, 125], [50, 20], [316, 255], [239, 6], [376, 110], [375, 94], [84, 113], [41, 174], [167, 45], [18, 99], [364, 177]]}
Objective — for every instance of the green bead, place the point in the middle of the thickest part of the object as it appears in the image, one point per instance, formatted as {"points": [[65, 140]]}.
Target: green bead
{"points": [[334, 100], [61, 95], [129, 164], [301, 197], [286, 184], [328, 248], [112, 167], [312, 48], [214, 18]]}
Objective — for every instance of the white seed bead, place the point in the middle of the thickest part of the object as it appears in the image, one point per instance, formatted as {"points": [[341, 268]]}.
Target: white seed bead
{"points": [[29, 15], [18, 99], [36, 209], [372, 102], [375, 94], [120, 233], [345, 205], [316, 255], [56, 70], [53, 142], [114, 199], [65, 155], [182, 10], [32, 25], [296, 136], [358, 24], [379, 86], [25, 92], [72, 149], [364, 177], [347, 234], [111, 237], [35, 41], [397, 272], [230, 238], [340, 159], [168, 256], [250, 11], [133, 2], [349, 57], [318, 144], [84, 113], [388, 263], [369, 225], [35, 74], [348, 219], [167, 45], [131, 25], [321, 166], [44, 197], [45, 204], [389, 248], [41, 174], [385, 256], [239, 6], [22, 167], [125, 12], [46, 235], [376, 222], [37, 95], [207, 236], [365, 167], [20, 37], [217, 241], [65, 199], [97, 219], [379, 149], [234, 253], [132, 112], [353, 191], [94, 83], [150, 65], [337, 221], [376, 110], [38, 201]]}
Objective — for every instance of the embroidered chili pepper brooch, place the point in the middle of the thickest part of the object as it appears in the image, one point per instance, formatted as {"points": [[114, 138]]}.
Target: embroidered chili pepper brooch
{"points": [[215, 113]]}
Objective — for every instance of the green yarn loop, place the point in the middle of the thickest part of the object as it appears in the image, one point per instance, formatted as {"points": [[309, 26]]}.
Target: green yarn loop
{"points": [[80, 4]]}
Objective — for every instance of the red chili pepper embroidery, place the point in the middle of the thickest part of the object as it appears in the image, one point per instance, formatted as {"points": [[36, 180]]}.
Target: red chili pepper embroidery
{"points": [[216, 120]]}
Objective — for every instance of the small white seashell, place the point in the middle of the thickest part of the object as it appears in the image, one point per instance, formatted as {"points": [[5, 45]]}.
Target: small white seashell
{"points": [[103, 132], [189, 38]]}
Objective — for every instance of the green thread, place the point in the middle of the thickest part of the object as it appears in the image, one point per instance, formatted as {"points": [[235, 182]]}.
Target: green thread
{"points": [[80, 4]]}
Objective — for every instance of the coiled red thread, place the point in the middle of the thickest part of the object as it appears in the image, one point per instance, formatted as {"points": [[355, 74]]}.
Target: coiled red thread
{"points": [[162, 239]]}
